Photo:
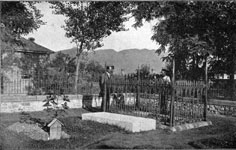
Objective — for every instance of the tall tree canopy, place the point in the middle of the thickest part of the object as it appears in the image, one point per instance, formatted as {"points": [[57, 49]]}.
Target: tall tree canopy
{"points": [[17, 18], [190, 30], [88, 23], [20, 17]]}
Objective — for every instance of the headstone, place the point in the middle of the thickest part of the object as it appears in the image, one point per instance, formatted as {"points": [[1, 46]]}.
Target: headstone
{"points": [[55, 131]]}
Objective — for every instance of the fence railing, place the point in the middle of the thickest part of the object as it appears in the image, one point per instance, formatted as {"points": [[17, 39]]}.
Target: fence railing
{"points": [[41, 85], [152, 99], [189, 105], [88, 83], [139, 98]]}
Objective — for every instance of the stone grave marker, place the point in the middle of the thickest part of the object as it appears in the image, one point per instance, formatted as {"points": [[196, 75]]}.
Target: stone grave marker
{"points": [[55, 129]]}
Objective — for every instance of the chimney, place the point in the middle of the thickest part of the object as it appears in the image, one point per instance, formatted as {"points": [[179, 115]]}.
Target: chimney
{"points": [[31, 39]]}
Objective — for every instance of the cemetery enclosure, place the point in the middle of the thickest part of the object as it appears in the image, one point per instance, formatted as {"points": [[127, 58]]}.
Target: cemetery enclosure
{"points": [[169, 104], [153, 96]]}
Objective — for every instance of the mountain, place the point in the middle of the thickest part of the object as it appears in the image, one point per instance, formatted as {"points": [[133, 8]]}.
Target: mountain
{"points": [[128, 60]]}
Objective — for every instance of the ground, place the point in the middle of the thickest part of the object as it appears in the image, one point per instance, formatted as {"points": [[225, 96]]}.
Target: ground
{"points": [[87, 134]]}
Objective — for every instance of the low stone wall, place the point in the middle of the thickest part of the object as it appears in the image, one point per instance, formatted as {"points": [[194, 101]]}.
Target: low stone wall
{"points": [[10, 104], [222, 107]]}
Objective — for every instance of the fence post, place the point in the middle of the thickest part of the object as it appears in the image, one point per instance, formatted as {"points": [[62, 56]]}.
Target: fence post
{"points": [[104, 96], [138, 90], [206, 90], [172, 113]]}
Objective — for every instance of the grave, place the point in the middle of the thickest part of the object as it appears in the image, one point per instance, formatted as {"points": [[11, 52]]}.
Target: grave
{"points": [[34, 131], [129, 123], [55, 129]]}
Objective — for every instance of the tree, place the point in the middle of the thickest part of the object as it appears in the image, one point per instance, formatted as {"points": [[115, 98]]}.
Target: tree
{"points": [[192, 30], [144, 71], [17, 18], [64, 63], [20, 17], [94, 67], [88, 23]]}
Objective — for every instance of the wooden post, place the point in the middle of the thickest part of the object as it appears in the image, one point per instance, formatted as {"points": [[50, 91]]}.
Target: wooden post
{"points": [[206, 89], [172, 113]]}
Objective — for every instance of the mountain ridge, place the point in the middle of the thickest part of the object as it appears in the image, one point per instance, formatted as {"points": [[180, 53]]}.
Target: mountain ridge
{"points": [[127, 60]]}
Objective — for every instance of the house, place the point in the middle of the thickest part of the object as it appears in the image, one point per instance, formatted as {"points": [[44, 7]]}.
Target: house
{"points": [[16, 79]]}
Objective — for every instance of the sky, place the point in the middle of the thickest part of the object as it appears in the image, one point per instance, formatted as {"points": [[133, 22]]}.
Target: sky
{"points": [[52, 36]]}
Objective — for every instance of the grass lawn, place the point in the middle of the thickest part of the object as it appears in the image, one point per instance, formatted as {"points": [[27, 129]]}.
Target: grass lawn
{"points": [[87, 134]]}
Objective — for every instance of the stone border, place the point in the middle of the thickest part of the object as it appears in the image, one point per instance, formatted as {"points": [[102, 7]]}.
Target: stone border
{"points": [[186, 126]]}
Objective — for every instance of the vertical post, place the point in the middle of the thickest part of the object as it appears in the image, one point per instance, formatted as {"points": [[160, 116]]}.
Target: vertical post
{"points": [[105, 96], [138, 90], [172, 113], [206, 88]]}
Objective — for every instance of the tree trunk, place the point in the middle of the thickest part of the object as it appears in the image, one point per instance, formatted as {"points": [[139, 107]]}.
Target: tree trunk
{"points": [[1, 74], [79, 51], [76, 73]]}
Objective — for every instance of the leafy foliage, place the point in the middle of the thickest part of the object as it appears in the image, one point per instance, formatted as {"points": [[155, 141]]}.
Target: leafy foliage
{"points": [[20, 17], [191, 30], [17, 18], [88, 23], [94, 67], [144, 71], [51, 103], [63, 63]]}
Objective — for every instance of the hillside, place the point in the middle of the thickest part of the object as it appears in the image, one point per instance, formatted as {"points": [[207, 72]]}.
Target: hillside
{"points": [[128, 59]]}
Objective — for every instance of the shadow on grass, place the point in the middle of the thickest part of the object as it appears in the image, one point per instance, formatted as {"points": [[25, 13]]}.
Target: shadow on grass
{"points": [[223, 141]]}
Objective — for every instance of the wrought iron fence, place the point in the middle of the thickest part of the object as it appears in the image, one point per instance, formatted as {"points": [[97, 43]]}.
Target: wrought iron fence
{"points": [[152, 99], [41, 85], [139, 98], [189, 104]]}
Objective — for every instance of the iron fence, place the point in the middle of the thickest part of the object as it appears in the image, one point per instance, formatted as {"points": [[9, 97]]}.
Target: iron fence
{"points": [[189, 104], [41, 85], [152, 99]]}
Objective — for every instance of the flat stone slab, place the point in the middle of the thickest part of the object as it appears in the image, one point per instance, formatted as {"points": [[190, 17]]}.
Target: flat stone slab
{"points": [[186, 126], [129, 123]]}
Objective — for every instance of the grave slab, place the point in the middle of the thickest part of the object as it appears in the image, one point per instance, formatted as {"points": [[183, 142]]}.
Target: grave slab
{"points": [[129, 123]]}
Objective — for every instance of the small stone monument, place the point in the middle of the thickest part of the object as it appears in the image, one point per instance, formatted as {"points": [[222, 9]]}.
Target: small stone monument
{"points": [[55, 131]]}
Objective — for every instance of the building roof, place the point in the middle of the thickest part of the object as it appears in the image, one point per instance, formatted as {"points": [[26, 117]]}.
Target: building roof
{"points": [[53, 121], [29, 46]]}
